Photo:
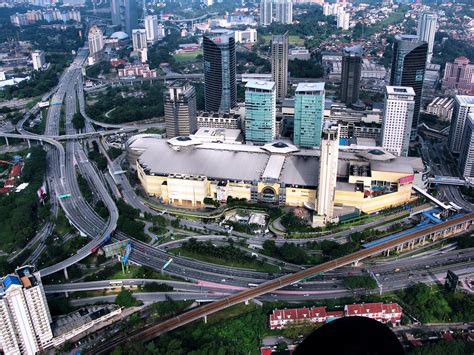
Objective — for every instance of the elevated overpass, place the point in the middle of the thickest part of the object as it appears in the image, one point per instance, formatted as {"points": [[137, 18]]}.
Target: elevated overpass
{"points": [[447, 180], [449, 227]]}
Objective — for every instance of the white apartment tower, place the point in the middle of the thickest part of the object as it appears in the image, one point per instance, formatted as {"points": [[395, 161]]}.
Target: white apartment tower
{"points": [[151, 28], [96, 40], [25, 326], [343, 20], [397, 119], [328, 163], [463, 105], [38, 59], [284, 11], [266, 11], [427, 30], [139, 37]]}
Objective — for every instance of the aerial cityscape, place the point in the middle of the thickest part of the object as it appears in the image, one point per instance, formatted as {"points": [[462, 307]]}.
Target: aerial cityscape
{"points": [[236, 177]]}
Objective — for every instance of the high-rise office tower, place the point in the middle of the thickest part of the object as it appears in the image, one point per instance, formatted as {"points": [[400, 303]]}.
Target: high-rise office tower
{"points": [[25, 326], [309, 114], [328, 163], [280, 64], [463, 105], [351, 72], [466, 157], [151, 28], [266, 12], [38, 59], [284, 11], [220, 86], [139, 39], [260, 111], [343, 20], [427, 30], [96, 40], [408, 69], [125, 14], [397, 119], [180, 109]]}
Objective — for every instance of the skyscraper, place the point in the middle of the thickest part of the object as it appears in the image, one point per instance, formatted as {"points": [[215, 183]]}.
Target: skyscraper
{"points": [[408, 69], [26, 320], [427, 30], [139, 39], [180, 109], [125, 14], [220, 86], [466, 158], [284, 11], [96, 40], [463, 105], [351, 72], [309, 114], [328, 163], [266, 12], [397, 119], [280, 64], [260, 111], [151, 28]]}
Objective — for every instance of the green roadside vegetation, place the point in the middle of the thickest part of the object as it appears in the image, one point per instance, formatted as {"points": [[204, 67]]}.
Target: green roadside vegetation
{"points": [[114, 153], [114, 272], [57, 250], [21, 213], [129, 103], [468, 192], [465, 241], [125, 299], [97, 157], [228, 255], [62, 225], [456, 347], [128, 221], [355, 282], [78, 122], [84, 187]]}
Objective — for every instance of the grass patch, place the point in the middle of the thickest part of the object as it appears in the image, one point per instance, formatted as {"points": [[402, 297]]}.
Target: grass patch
{"points": [[219, 261], [187, 56], [292, 40]]}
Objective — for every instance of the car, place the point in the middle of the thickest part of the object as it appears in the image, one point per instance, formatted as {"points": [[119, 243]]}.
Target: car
{"points": [[223, 280]]}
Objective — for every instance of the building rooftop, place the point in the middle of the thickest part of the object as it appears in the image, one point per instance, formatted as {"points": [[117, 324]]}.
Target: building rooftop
{"points": [[400, 90], [304, 87], [260, 84], [354, 50], [465, 99]]}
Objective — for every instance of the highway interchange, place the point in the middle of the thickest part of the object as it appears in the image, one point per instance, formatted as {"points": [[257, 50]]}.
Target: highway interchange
{"points": [[203, 279]]}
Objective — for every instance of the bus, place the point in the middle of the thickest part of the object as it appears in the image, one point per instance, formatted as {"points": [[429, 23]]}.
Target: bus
{"points": [[116, 283], [252, 285]]}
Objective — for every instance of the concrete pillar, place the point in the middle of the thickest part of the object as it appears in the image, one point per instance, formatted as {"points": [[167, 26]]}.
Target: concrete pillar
{"points": [[205, 319], [65, 273], [356, 263], [29, 143], [246, 302], [6, 141]]}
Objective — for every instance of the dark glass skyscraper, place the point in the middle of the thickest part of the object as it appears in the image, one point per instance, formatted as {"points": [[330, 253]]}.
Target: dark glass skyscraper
{"points": [[125, 14], [220, 86], [350, 76], [408, 68]]}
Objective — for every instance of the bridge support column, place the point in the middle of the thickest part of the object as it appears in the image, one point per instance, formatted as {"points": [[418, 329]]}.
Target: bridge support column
{"points": [[387, 252], [412, 244], [66, 276], [29, 143], [6, 141], [205, 319], [356, 263], [246, 302]]}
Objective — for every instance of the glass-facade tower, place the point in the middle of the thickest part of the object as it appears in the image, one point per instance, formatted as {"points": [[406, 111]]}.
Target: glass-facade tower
{"points": [[260, 112], [309, 114], [408, 69], [220, 86]]}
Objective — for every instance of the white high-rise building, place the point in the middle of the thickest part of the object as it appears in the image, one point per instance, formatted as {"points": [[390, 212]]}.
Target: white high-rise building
{"points": [[151, 28], [139, 39], [463, 105], [96, 40], [208, 2], [38, 59], [25, 326], [161, 31], [328, 163], [266, 12], [343, 20], [397, 119], [284, 11], [248, 35], [427, 30], [466, 157]]}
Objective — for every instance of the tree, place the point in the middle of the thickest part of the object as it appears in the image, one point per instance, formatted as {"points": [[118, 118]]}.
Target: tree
{"points": [[125, 299], [355, 282], [78, 121]]}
